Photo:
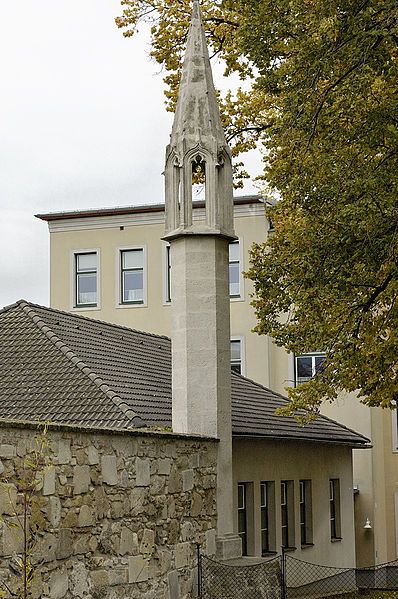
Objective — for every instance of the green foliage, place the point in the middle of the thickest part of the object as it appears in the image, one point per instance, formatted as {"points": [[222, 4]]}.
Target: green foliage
{"points": [[26, 520], [331, 266], [320, 96]]}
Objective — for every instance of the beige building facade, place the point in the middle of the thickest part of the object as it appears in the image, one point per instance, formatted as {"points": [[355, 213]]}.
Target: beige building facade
{"points": [[108, 235]]}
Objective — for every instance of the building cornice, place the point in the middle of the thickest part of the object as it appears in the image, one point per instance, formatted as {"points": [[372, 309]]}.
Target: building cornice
{"points": [[107, 218]]}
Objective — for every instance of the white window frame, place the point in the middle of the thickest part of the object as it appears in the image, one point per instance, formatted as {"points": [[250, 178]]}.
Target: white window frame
{"points": [[165, 270], [241, 339], [118, 303], [241, 296], [72, 279], [312, 355]]}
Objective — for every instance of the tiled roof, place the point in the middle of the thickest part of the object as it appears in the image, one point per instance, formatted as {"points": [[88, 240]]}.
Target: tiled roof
{"points": [[79, 371]]}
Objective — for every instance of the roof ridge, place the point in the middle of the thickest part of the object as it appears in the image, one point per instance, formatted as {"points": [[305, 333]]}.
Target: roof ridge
{"points": [[82, 366], [286, 399], [89, 318], [11, 306]]}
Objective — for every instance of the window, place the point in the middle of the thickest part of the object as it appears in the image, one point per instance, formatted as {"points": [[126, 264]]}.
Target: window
{"points": [[287, 513], [307, 365], [305, 512], [236, 355], [242, 516], [234, 269], [267, 514], [334, 506], [85, 279], [132, 276], [168, 275]]}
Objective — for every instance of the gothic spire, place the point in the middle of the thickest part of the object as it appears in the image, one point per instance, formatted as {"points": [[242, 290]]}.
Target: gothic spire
{"points": [[198, 144], [197, 117]]}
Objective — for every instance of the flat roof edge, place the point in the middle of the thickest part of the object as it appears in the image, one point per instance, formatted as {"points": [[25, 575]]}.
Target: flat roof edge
{"points": [[139, 209]]}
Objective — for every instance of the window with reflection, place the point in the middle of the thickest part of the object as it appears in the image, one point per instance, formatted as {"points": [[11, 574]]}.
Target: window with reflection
{"points": [[307, 366], [236, 355], [86, 279], [234, 269], [132, 276]]}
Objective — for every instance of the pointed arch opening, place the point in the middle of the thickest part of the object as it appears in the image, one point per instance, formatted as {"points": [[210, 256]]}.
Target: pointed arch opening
{"points": [[198, 178]]}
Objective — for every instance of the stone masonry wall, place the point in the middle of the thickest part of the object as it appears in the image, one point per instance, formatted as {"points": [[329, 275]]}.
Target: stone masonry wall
{"points": [[120, 514]]}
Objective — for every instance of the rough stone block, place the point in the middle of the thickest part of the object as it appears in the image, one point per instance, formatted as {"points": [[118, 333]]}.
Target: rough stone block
{"points": [[196, 505], [99, 580], [187, 480], [175, 481], [102, 504], [128, 542], [182, 555], [54, 511], [8, 498], [173, 584], [148, 541], [187, 531], [109, 469], [59, 584], [81, 479], [65, 543], [164, 466], [79, 580], [142, 472], [49, 481], [92, 456], [118, 576], [86, 517], [7, 451], [64, 453], [138, 569], [45, 550], [11, 539], [194, 460], [1, 467], [165, 558]]}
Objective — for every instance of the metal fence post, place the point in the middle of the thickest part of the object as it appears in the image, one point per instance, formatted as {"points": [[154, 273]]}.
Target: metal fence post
{"points": [[199, 570], [283, 573]]}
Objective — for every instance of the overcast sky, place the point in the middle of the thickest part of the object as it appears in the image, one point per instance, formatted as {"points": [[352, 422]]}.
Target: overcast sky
{"points": [[82, 125]]}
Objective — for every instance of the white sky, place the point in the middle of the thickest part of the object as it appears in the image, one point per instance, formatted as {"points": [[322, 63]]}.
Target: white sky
{"points": [[82, 125]]}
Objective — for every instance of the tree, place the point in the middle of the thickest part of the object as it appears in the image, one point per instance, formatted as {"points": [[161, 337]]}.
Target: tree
{"points": [[323, 103], [24, 514]]}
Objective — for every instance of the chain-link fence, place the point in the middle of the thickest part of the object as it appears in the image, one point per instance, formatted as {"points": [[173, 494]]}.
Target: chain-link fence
{"points": [[286, 577], [307, 580], [222, 581]]}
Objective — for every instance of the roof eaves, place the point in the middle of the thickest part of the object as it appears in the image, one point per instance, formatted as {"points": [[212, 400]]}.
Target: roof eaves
{"points": [[334, 422], [135, 419], [362, 443], [140, 208]]}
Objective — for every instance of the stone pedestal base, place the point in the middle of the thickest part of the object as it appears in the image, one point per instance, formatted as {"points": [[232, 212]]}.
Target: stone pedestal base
{"points": [[228, 546]]}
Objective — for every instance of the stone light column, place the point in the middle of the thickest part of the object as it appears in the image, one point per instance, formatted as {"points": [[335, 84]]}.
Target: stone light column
{"points": [[199, 256]]}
